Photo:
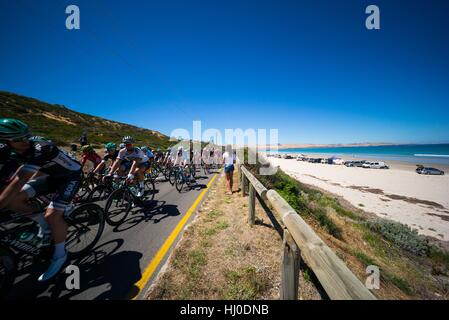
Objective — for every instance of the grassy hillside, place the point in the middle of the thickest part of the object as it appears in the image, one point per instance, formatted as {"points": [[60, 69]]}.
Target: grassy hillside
{"points": [[64, 126]]}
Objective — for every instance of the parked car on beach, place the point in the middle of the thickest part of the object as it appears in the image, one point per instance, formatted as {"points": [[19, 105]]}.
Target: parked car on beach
{"points": [[338, 161], [429, 171], [354, 163], [375, 165]]}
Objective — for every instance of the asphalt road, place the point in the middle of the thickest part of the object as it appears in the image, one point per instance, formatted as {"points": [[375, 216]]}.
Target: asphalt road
{"points": [[121, 256]]}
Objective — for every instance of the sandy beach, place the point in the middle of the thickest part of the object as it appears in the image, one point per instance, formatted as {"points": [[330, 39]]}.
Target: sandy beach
{"points": [[398, 193]]}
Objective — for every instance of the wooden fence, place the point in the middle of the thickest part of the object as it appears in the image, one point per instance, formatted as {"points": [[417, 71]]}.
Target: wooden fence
{"points": [[301, 242]]}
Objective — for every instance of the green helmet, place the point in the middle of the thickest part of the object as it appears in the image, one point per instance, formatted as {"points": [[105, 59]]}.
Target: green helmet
{"points": [[110, 146], [87, 148], [13, 129]]}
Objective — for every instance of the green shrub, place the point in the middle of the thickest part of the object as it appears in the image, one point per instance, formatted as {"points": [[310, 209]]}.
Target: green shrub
{"points": [[327, 223], [401, 235]]}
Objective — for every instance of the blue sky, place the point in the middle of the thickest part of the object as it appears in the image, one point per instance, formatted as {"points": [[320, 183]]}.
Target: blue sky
{"points": [[309, 68]]}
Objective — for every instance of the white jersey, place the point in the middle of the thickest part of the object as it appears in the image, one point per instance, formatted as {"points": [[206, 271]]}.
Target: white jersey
{"points": [[180, 158], [135, 155]]}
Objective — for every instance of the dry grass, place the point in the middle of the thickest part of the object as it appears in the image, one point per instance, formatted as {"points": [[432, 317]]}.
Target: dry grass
{"points": [[221, 257]]}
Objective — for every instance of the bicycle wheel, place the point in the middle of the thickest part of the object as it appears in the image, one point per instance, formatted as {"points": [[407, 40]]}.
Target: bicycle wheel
{"points": [[166, 173], [118, 206], [179, 182], [172, 176], [150, 190], [8, 268], [99, 193], [85, 226], [154, 173], [82, 194]]}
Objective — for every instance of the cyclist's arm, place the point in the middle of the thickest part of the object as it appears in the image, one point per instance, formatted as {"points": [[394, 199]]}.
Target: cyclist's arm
{"points": [[134, 165], [83, 161], [22, 176], [100, 166], [115, 166]]}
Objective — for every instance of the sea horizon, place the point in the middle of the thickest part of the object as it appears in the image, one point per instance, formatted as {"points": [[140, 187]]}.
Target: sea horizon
{"points": [[437, 153]]}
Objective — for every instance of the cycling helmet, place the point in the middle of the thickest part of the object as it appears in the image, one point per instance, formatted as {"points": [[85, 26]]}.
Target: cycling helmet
{"points": [[110, 146], [87, 148], [13, 129], [144, 148], [122, 145], [127, 139]]}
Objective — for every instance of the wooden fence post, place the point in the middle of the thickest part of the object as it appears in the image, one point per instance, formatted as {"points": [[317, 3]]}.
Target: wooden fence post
{"points": [[251, 205], [243, 186], [290, 268]]}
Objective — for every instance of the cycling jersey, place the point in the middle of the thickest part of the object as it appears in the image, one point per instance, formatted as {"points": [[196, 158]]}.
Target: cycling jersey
{"points": [[112, 157], [149, 154], [44, 156], [64, 172], [91, 156], [134, 155]]}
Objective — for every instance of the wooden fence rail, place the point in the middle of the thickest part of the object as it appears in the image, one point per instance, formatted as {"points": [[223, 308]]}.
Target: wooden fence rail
{"points": [[300, 241]]}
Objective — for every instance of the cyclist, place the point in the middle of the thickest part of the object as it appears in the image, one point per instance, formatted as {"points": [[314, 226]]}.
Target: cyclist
{"points": [[53, 171], [147, 151], [159, 156], [111, 154], [182, 160], [179, 158], [136, 163], [88, 153]]}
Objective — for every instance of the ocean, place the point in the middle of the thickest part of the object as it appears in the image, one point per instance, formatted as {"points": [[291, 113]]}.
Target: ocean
{"points": [[413, 153]]}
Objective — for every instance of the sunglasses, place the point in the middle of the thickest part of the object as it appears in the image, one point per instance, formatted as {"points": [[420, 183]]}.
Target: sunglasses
{"points": [[19, 139]]}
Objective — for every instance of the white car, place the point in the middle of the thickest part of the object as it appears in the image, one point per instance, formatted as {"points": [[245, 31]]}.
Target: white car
{"points": [[338, 161], [375, 165]]}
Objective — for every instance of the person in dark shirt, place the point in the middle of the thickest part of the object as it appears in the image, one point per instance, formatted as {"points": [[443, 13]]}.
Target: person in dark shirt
{"points": [[46, 169], [111, 154], [83, 139]]}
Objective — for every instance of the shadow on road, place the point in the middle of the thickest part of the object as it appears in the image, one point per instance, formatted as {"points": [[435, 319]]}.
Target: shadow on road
{"points": [[104, 274], [158, 211]]}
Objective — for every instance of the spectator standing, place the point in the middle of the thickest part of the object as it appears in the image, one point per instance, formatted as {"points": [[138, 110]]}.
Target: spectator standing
{"points": [[228, 160], [83, 139]]}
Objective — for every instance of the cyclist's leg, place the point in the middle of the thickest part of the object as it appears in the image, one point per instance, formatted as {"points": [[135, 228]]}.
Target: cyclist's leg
{"points": [[140, 174], [66, 190], [124, 168], [32, 188]]}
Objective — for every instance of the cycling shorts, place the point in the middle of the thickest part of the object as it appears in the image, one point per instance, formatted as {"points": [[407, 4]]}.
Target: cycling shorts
{"points": [[63, 188]]}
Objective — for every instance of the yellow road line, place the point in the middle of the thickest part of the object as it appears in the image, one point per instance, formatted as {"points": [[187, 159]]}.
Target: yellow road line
{"points": [[168, 243]]}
